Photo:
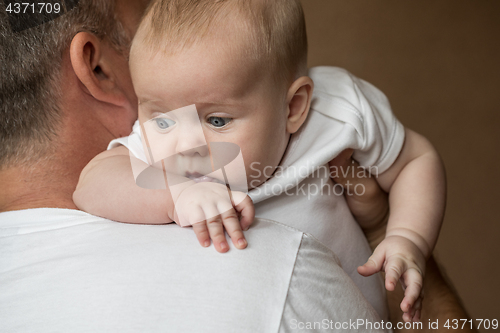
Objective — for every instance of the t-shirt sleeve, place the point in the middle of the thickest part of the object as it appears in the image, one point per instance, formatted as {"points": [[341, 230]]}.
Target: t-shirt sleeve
{"points": [[132, 142], [379, 136]]}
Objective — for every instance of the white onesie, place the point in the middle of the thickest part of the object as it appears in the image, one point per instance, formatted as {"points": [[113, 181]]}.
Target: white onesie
{"points": [[346, 112]]}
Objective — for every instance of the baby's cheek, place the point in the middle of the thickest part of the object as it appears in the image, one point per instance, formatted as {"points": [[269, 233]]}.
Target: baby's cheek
{"points": [[258, 173], [260, 163]]}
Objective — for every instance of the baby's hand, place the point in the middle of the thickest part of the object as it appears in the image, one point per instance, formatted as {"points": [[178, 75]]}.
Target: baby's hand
{"points": [[401, 259], [208, 208]]}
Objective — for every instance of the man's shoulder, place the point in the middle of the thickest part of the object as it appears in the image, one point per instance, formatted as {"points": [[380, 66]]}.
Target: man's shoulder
{"points": [[36, 219], [123, 270]]}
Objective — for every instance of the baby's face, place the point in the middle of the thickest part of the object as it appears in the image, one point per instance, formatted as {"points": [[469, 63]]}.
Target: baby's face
{"points": [[236, 102]]}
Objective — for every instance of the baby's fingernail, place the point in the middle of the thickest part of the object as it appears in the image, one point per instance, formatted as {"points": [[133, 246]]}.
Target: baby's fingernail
{"points": [[207, 243], [242, 242], [223, 246]]}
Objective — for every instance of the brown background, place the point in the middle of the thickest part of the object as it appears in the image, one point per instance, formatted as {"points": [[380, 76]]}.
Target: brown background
{"points": [[438, 61]]}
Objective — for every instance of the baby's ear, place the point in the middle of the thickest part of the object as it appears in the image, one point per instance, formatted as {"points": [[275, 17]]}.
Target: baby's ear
{"points": [[299, 101]]}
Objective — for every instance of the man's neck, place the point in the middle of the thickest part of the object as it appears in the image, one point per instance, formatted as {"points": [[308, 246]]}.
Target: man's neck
{"points": [[37, 186]]}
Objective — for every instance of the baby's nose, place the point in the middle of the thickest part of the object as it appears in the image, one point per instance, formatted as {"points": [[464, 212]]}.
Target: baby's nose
{"points": [[191, 140], [200, 150]]}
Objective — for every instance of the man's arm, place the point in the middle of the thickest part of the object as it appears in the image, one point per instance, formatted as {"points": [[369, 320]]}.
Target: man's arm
{"points": [[371, 210]]}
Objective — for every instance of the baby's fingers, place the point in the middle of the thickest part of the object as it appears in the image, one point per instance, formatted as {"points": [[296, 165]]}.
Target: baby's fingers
{"points": [[247, 211], [414, 314], [201, 231], [216, 231], [374, 264], [417, 315], [394, 268], [233, 228], [416, 309], [412, 279]]}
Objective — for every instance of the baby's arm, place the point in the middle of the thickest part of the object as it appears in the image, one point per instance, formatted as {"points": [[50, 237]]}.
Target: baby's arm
{"points": [[417, 194], [369, 207], [416, 184], [107, 188]]}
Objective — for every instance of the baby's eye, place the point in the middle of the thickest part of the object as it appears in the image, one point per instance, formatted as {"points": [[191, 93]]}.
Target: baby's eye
{"points": [[219, 121], [163, 123]]}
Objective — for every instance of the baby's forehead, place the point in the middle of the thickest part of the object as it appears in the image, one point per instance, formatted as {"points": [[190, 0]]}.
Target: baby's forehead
{"points": [[230, 32], [228, 45], [199, 74], [266, 34], [230, 42]]}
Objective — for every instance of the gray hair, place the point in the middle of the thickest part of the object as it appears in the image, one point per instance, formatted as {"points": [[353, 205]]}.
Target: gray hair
{"points": [[30, 68]]}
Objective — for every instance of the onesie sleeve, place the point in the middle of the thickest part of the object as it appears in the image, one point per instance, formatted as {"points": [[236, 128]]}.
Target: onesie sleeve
{"points": [[384, 135], [360, 105], [132, 142]]}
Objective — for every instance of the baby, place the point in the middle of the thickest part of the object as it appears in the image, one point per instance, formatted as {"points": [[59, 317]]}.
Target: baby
{"points": [[235, 72]]}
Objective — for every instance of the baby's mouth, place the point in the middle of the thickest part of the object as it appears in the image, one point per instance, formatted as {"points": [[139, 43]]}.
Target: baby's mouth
{"points": [[199, 178]]}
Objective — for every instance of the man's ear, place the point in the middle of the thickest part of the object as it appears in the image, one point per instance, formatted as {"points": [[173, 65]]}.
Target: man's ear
{"points": [[299, 100], [91, 59]]}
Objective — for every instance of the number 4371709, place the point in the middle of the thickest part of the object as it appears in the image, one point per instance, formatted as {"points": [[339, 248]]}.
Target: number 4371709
{"points": [[459, 324], [33, 8]]}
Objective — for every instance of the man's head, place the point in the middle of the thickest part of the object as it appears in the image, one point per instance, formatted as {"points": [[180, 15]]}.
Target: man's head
{"points": [[65, 92], [32, 80], [240, 62]]}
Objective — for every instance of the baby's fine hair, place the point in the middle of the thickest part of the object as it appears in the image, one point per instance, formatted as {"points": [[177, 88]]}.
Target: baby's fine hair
{"points": [[276, 35]]}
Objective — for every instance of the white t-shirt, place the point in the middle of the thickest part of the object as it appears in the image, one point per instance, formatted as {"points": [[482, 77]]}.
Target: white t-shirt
{"points": [[68, 271], [346, 112]]}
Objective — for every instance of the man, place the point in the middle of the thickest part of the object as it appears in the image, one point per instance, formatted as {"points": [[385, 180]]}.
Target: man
{"points": [[63, 270]]}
